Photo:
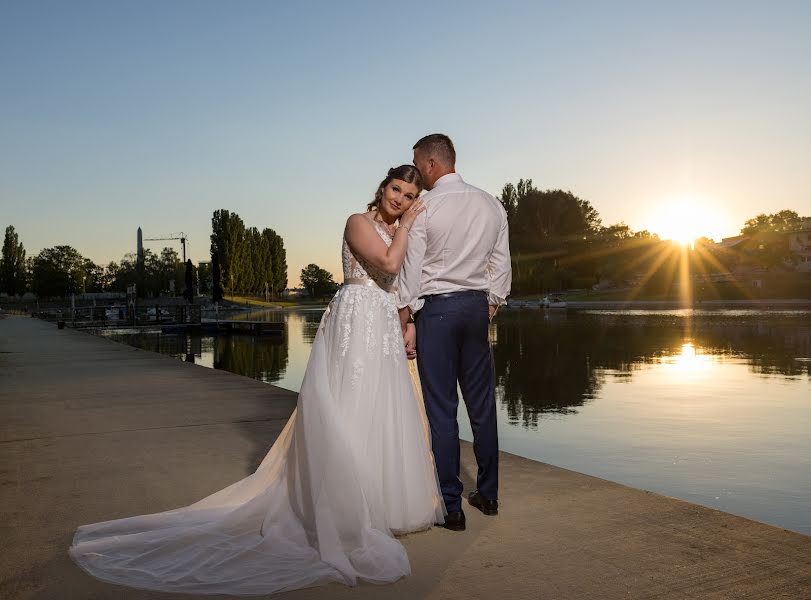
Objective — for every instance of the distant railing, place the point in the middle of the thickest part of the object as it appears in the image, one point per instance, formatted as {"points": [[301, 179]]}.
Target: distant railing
{"points": [[123, 316]]}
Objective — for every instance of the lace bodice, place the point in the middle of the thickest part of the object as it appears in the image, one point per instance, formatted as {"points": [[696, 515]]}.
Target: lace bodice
{"points": [[355, 267]]}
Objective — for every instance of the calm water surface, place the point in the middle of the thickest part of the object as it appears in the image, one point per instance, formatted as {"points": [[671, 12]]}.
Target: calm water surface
{"points": [[713, 407]]}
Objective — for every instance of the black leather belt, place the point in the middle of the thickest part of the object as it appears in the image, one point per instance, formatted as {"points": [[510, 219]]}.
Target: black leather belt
{"points": [[432, 297]]}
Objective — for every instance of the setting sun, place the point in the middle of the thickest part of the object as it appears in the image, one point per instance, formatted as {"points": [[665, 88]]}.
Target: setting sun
{"points": [[683, 220]]}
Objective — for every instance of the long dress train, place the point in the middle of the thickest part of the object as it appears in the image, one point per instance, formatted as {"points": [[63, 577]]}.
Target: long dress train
{"points": [[352, 467]]}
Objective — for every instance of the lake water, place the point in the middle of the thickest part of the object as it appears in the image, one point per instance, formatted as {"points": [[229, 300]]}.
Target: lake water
{"points": [[713, 407]]}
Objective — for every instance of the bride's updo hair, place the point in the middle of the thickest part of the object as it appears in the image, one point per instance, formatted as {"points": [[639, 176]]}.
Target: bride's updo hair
{"points": [[407, 173]]}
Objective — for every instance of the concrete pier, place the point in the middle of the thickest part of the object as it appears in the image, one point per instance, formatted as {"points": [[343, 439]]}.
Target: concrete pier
{"points": [[92, 430]]}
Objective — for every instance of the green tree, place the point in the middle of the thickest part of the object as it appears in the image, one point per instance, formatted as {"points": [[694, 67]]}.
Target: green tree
{"points": [[29, 273], [509, 200], [216, 292], [153, 280], [125, 273], [558, 241], [12, 264], [779, 222], [619, 253], [512, 195], [618, 231], [266, 274], [248, 260], [317, 281], [228, 243], [188, 291], [93, 281], [769, 246], [108, 277], [554, 238], [254, 282], [158, 270], [552, 215], [278, 262], [204, 277], [168, 268], [59, 271]]}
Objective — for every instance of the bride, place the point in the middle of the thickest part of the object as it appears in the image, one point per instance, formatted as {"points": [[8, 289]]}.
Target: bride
{"points": [[352, 467]]}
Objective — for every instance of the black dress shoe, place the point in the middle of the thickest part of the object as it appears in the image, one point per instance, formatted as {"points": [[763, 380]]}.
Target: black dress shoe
{"points": [[488, 507], [455, 521]]}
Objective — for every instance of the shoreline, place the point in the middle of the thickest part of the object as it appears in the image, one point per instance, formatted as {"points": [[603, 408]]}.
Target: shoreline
{"points": [[763, 304]]}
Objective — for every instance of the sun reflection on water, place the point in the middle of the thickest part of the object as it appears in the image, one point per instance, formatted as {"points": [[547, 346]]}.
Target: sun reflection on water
{"points": [[689, 361]]}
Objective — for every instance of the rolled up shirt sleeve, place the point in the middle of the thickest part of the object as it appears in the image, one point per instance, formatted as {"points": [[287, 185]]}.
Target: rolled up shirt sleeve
{"points": [[499, 267], [411, 271]]}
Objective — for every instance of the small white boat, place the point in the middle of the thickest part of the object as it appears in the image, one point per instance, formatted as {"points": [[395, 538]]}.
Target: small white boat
{"points": [[115, 313], [553, 302]]}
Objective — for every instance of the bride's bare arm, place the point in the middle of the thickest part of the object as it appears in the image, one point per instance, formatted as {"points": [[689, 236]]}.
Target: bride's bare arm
{"points": [[365, 242]]}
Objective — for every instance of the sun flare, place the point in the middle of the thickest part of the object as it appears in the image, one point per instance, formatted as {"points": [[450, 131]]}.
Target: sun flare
{"points": [[684, 220]]}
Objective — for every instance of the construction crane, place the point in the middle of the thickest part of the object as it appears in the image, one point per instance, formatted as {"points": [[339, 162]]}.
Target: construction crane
{"points": [[173, 236]]}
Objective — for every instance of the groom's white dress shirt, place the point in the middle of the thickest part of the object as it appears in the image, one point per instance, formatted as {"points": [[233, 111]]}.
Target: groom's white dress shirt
{"points": [[460, 242]]}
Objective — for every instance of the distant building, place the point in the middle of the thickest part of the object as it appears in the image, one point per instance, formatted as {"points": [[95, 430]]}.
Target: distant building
{"points": [[740, 253], [799, 242], [730, 242], [737, 254]]}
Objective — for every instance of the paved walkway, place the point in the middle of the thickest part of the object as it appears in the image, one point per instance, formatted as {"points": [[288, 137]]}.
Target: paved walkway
{"points": [[93, 430]]}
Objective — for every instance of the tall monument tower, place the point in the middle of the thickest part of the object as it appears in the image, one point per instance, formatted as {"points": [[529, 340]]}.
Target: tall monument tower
{"points": [[139, 265], [140, 247]]}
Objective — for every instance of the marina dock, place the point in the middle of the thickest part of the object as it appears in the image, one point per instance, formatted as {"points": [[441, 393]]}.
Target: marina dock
{"points": [[238, 326]]}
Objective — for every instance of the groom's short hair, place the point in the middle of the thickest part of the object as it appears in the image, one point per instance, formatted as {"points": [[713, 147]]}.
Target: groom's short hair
{"points": [[439, 146]]}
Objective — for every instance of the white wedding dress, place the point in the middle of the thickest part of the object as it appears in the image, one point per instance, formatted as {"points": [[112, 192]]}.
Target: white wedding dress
{"points": [[352, 467]]}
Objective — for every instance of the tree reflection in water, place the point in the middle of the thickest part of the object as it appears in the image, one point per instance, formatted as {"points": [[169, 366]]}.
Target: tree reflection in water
{"points": [[263, 358], [310, 320], [546, 361], [550, 362]]}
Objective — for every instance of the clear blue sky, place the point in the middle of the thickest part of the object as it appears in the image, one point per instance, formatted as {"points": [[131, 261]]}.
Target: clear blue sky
{"points": [[120, 114]]}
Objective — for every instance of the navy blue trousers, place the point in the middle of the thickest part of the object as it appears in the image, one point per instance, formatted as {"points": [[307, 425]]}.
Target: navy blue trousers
{"points": [[453, 345]]}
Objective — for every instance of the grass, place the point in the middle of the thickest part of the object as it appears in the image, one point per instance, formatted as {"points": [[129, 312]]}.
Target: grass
{"points": [[615, 294], [252, 301], [619, 295], [772, 290]]}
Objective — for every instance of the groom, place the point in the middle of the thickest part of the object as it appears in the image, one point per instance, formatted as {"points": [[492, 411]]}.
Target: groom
{"points": [[455, 276]]}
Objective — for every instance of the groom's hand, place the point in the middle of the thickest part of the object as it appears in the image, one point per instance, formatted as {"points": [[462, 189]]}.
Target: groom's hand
{"points": [[410, 341], [492, 309]]}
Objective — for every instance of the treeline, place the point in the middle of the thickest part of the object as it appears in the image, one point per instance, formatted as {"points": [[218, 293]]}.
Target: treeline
{"points": [[62, 270], [246, 260], [159, 271], [249, 261], [779, 222], [558, 242], [557, 239]]}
